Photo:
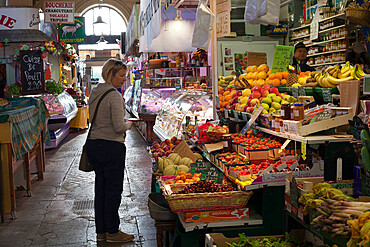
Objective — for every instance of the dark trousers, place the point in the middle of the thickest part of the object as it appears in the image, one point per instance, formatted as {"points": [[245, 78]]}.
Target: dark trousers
{"points": [[108, 158]]}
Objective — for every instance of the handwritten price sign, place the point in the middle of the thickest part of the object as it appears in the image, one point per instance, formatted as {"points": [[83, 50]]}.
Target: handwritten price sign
{"points": [[282, 58]]}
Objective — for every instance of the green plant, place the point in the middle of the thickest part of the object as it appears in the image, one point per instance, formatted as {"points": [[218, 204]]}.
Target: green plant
{"points": [[14, 89], [54, 87]]}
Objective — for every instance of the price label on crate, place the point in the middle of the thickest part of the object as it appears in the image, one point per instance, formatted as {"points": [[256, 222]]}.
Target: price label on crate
{"points": [[236, 116], [294, 166], [301, 91], [252, 120], [281, 167], [226, 113], [295, 92], [326, 95]]}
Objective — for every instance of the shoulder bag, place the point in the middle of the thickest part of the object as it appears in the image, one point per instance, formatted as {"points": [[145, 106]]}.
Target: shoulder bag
{"points": [[85, 164]]}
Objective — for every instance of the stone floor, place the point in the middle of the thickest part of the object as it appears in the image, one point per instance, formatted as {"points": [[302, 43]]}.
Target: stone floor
{"points": [[60, 210]]}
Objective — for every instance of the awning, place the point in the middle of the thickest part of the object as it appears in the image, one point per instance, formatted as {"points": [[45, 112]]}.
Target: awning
{"points": [[24, 35]]}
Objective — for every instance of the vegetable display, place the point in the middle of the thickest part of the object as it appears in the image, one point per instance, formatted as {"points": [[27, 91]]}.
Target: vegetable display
{"points": [[244, 241], [360, 230]]}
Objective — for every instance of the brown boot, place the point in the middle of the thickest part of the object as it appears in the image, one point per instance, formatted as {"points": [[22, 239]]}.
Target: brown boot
{"points": [[119, 237], [100, 237]]}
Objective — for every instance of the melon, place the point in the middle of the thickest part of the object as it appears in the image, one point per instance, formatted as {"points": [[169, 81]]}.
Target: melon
{"points": [[185, 161], [183, 168], [198, 156], [167, 162], [160, 164], [171, 170], [175, 158]]}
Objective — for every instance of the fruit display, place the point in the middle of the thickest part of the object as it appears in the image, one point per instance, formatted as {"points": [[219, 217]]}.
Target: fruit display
{"points": [[184, 178], [207, 129], [164, 149], [205, 186], [232, 158]]}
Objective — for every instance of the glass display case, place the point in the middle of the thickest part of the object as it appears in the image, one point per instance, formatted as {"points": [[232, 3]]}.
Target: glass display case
{"points": [[171, 116]]}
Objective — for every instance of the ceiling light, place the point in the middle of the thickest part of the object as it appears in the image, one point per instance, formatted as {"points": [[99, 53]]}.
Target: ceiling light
{"points": [[178, 17]]}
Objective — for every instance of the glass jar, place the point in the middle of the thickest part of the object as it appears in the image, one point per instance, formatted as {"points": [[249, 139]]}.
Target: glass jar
{"points": [[227, 143], [298, 112], [285, 111], [277, 124]]}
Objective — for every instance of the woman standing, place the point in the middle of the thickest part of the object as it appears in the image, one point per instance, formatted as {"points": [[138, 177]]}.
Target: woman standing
{"points": [[107, 151]]}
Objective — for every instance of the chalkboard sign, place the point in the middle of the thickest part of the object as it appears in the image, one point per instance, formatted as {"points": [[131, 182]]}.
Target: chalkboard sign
{"points": [[326, 95], [32, 68], [207, 171], [283, 57], [356, 126]]}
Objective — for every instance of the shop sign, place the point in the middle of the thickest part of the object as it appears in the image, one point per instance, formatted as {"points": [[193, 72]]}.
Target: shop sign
{"points": [[132, 28], [32, 72], [223, 8], [19, 18], [103, 53], [59, 12], [283, 57], [73, 33], [149, 22]]}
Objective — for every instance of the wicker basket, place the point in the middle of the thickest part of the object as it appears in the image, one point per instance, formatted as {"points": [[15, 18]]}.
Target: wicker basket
{"points": [[358, 16], [180, 203], [215, 137]]}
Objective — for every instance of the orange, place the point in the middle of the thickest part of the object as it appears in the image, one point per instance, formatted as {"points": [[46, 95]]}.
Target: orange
{"points": [[276, 82], [226, 93], [228, 98], [179, 182], [285, 74], [183, 177], [177, 177], [221, 97], [279, 75], [272, 76], [262, 75], [189, 176], [283, 81], [269, 72], [182, 173]]}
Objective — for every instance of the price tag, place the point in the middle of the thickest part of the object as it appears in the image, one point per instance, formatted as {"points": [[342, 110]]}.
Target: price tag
{"points": [[267, 170], [281, 167], [218, 101], [303, 150], [295, 92], [285, 144], [326, 95], [226, 113], [301, 91], [294, 166], [245, 116], [236, 116]]}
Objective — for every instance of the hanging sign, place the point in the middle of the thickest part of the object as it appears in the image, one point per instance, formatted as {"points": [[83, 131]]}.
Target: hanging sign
{"points": [[19, 18], [149, 22], [314, 26], [59, 12], [73, 33], [283, 57], [223, 8], [32, 72]]}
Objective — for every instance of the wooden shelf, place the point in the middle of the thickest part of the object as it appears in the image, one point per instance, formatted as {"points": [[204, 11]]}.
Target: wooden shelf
{"points": [[326, 41], [327, 52], [307, 139], [297, 28], [301, 37], [334, 16], [322, 64], [332, 28]]}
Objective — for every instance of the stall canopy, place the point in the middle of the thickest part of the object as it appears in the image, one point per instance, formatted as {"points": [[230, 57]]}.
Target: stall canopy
{"points": [[24, 35]]}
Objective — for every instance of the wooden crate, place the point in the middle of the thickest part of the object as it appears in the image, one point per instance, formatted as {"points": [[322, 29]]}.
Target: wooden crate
{"points": [[297, 128]]}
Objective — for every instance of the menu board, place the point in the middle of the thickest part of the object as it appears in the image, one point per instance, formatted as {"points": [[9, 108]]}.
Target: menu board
{"points": [[32, 72], [283, 57]]}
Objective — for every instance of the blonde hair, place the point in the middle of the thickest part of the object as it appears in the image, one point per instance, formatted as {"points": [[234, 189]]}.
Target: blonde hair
{"points": [[110, 69]]}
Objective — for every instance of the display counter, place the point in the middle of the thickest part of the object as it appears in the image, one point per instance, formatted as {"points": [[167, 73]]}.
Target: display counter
{"points": [[22, 132]]}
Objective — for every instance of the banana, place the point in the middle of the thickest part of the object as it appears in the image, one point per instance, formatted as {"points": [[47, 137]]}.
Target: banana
{"points": [[336, 81], [330, 84], [335, 73], [329, 69], [319, 80], [346, 68], [360, 73], [325, 81]]}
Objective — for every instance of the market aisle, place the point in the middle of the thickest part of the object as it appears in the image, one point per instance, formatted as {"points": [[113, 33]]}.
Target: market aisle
{"points": [[60, 212]]}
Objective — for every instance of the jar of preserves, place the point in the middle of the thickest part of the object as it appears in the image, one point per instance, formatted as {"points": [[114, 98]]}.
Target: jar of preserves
{"points": [[227, 143], [285, 112], [277, 124], [298, 112]]}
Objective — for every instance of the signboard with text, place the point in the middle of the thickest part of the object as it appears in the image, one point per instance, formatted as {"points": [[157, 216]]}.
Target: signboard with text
{"points": [[132, 28], [59, 12], [73, 33], [223, 8], [19, 18], [32, 72], [283, 57]]}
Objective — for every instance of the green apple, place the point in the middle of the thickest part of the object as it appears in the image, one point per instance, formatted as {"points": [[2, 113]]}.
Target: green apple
{"points": [[266, 106], [265, 111], [267, 100], [286, 97], [271, 95], [276, 105], [276, 99], [272, 110]]}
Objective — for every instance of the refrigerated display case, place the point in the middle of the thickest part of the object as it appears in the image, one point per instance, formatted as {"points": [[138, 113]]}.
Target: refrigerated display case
{"points": [[171, 117], [62, 109]]}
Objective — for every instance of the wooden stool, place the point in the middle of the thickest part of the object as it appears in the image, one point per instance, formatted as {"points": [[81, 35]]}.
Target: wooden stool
{"points": [[162, 226]]}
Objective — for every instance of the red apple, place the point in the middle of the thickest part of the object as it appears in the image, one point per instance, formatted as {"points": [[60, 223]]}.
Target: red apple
{"points": [[173, 139], [245, 108], [257, 88], [228, 89], [171, 145], [266, 87], [250, 109], [167, 141], [265, 92], [256, 94], [274, 90], [168, 153], [250, 96], [239, 93], [177, 142], [249, 102], [156, 145], [254, 102], [166, 148], [235, 100]]}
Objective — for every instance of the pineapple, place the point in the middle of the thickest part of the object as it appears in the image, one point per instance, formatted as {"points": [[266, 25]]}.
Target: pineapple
{"points": [[292, 77]]}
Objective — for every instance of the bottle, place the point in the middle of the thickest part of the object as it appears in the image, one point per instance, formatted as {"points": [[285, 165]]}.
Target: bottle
{"points": [[187, 123], [298, 112]]}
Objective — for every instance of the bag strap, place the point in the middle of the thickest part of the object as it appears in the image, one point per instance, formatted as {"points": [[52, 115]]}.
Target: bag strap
{"points": [[96, 110]]}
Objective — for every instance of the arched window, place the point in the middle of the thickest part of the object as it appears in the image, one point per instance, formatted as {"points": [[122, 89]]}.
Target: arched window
{"points": [[115, 23]]}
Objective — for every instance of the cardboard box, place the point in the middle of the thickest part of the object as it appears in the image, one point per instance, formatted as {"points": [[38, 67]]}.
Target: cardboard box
{"points": [[19, 3], [257, 154], [216, 215]]}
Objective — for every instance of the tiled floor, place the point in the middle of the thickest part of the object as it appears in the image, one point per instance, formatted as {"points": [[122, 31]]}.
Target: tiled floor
{"points": [[60, 211]]}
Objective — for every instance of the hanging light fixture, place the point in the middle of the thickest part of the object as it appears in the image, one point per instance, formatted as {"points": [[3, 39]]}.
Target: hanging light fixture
{"points": [[178, 17], [99, 19]]}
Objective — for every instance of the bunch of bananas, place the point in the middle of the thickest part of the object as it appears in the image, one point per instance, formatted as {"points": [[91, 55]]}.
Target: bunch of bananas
{"points": [[334, 75], [226, 81]]}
